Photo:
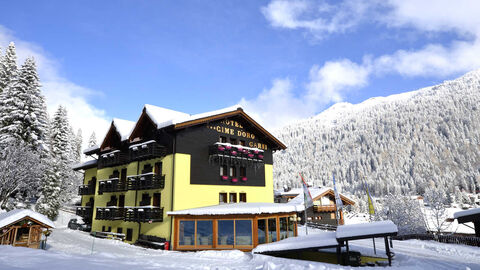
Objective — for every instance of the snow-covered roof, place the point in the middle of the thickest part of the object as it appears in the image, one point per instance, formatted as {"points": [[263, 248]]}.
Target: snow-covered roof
{"points": [[366, 229], [10, 217], [240, 208], [324, 239], [163, 117], [87, 164], [123, 127], [91, 149], [292, 192], [466, 212], [315, 192]]}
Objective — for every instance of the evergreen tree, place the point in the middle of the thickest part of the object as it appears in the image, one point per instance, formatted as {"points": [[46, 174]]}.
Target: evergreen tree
{"points": [[92, 141], [50, 199], [78, 145], [8, 66]]}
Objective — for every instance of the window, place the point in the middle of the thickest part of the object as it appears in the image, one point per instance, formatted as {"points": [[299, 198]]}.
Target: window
{"points": [[223, 170], [156, 199], [233, 141], [243, 197], [109, 229], [243, 172], [233, 171], [243, 232], [225, 233], [147, 168], [283, 228], [291, 226], [332, 216], [242, 142], [186, 233], [262, 231], [233, 197], [223, 139], [272, 230], [119, 230], [158, 168], [204, 232], [123, 175], [129, 234], [103, 228], [222, 197]]}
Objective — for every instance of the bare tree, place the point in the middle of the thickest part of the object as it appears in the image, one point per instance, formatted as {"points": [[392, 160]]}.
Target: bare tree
{"points": [[436, 211], [19, 170]]}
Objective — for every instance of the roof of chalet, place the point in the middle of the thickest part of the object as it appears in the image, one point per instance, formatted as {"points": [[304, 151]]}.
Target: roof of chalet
{"points": [[316, 193], [85, 165], [469, 215], [13, 216], [239, 209], [123, 127]]}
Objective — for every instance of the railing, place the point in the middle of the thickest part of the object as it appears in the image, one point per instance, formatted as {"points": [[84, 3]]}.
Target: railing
{"points": [[144, 214], [324, 208], [111, 185], [327, 227], [145, 181], [111, 159], [229, 152], [87, 189], [110, 213], [146, 150], [451, 239], [8, 238], [85, 212]]}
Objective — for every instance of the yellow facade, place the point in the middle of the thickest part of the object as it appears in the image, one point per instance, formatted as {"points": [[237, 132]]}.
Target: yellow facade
{"points": [[185, 195]]}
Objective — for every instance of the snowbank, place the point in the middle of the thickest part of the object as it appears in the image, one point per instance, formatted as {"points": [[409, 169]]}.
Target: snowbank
{"points": [[240, 208], [324, 239], [365, 229]]}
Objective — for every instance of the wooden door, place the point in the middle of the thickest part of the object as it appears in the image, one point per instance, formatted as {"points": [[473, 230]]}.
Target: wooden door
{"points": [[156, 199]]}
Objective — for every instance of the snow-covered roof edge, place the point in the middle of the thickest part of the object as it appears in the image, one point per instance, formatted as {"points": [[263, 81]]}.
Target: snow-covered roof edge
{"points": [[466, 212], [13, 216], [123, 127], [85, 165], [315, 192], [239, 209]]}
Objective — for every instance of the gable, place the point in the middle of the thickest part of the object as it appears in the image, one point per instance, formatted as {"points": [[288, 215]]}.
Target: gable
{"points": [[144, 128], [112, 140], [331, 193]]}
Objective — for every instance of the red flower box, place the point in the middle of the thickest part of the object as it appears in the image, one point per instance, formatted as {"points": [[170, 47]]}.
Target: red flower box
{"points": [[221, 148], [244, 179], [250, 155], [260, 156], [256, 151], [240, 148], [234, 180], [224, 177], [234, 153], [228, 147]]}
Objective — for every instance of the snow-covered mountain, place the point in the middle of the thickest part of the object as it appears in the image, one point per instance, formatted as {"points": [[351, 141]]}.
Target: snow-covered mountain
{"points": [[399, 144]]}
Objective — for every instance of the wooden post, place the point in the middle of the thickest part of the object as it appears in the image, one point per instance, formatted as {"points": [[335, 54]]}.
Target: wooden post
{"points": [[374, 247], [29, 235], [339, 254], [348, 253], [14, 237], [387, 249]]}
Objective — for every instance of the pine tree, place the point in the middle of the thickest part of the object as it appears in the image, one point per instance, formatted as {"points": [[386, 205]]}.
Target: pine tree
{"points": [[8, 66], [78, 145], [50, 199], [92, 141]]}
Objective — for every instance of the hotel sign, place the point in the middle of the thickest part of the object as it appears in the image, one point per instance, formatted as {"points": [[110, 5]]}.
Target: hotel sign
{"points": [[230, 127]]}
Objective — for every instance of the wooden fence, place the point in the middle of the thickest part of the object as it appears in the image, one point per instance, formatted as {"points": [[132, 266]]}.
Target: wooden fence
{"points": [[451, 239]]}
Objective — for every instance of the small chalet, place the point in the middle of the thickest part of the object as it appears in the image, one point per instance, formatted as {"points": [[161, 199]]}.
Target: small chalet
{"points": [[23, 228], [324, 207]]}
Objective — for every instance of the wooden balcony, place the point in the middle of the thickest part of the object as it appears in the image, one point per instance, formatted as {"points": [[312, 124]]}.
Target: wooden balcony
{"points": [[227, 153], [144, 214], [146, 150], [87, 189], [111, 185], [111, 159], [86, 212], [110, 213], [145, 181], [324, 208]]}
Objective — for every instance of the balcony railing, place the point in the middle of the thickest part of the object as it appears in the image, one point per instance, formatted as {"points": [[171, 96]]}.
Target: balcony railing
{"points": [[236, 153], [111, 159], [145, 181], [86, 212], [324, 208], [144, 214], [87, 189], [146, 150], [111, 185], [110, 213]]}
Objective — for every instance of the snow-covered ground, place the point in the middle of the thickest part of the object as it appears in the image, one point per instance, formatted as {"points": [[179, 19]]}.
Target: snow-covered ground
{"points": [[72, 250]]}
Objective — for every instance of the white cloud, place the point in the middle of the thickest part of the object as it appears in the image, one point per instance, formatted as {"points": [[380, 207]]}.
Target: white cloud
{"points": [[334, 79], [58, 90], [279, 105], [319, 18]]}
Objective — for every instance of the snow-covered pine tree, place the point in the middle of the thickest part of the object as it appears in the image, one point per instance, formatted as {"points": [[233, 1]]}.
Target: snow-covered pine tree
{"points": [[92, 141], [78, 145], [51, 197], [8, 66], [23, 110]]}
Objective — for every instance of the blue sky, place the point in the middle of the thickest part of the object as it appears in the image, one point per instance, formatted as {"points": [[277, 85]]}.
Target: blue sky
{"points": [[282, 60]]}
